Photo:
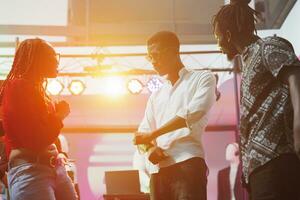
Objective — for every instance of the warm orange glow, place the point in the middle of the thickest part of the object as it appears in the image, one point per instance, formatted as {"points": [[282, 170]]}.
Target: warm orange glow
{"points": [[135, 86], [76, 87], [114, 86], [54, 87]]}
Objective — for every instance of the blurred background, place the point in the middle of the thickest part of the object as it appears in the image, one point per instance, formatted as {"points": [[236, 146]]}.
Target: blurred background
{"points": [[107, 80]]}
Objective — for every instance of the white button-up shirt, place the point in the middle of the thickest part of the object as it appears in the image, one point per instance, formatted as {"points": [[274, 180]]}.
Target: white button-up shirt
{"points": [[189, 97]]}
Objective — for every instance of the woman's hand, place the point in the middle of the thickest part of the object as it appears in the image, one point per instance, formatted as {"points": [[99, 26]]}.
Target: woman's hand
{"points": [[62, 109]]}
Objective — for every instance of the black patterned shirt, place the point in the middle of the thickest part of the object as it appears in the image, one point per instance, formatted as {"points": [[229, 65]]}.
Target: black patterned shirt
{"points": [[266, 108]]}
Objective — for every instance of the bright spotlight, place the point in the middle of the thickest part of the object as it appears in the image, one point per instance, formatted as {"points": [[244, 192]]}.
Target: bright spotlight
{"points": [[154, 84], [54, 87], [76, 87], [113, 86], [135, 86]]}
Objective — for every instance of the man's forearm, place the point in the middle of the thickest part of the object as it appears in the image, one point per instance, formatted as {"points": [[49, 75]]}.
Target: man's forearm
{"points": [[297, 140], [297, 132], [174, 124], [292, 76], [177, 123]]}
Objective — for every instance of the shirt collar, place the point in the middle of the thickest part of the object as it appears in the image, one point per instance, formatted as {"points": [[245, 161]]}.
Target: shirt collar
{"points": [[182, 72], [248, 48]]}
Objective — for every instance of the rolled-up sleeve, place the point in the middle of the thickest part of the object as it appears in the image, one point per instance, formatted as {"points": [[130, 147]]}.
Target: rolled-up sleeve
{"points": [[148, 122], [202, 99]]}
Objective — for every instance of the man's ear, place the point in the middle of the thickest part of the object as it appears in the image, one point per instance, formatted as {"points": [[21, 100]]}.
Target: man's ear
{"points": [[228, 36]]}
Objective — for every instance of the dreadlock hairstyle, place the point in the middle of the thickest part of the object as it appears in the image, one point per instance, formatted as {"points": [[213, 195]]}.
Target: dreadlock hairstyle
{"points": [[237, 17], [27, 63]]}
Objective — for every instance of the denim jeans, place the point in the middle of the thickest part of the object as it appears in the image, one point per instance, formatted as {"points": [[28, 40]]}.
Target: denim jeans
{"points": [[277, 180], [182, 181], [33, 181]]}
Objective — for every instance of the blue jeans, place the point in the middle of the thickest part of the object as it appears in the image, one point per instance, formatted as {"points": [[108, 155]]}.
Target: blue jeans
{"points": [[33, 181]]}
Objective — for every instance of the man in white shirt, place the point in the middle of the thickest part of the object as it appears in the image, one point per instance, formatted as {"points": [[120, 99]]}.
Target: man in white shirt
{"points": [[174, 121]]}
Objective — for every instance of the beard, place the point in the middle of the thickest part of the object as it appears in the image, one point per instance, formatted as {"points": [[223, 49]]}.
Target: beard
{"points": [[229, 50], [230, 55]]}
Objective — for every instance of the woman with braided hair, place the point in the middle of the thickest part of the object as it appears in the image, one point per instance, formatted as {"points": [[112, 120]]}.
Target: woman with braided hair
{"points": [[270, 103], [31, 124]]}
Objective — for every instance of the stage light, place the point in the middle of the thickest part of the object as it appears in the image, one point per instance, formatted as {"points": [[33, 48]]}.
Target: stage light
{"points": [[114, 86], [135, 86], [54, 87], [154, 84], [76, 87]]}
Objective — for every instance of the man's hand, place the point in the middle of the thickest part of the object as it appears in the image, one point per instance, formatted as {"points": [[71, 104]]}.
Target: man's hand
{"points": [[156, 154], [143, 138]]}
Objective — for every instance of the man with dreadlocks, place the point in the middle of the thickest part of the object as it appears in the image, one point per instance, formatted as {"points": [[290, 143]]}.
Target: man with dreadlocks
{"points": [[270, 103], [31, 124]]}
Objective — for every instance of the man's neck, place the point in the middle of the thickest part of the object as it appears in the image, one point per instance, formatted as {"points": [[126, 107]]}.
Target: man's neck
{"points": [[174, 76], [244, 42]]}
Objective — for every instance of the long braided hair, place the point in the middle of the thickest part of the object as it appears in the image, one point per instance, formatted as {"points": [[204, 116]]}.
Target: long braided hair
{"points": [[237, 17], [27, 64]]}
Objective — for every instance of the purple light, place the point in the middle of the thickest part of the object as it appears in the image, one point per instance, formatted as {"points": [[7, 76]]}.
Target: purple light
{"points": [[154, 84]]}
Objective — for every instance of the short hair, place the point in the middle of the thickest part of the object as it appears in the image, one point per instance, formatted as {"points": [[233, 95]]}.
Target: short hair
{"points": [[237, 17], [165, 38]]}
